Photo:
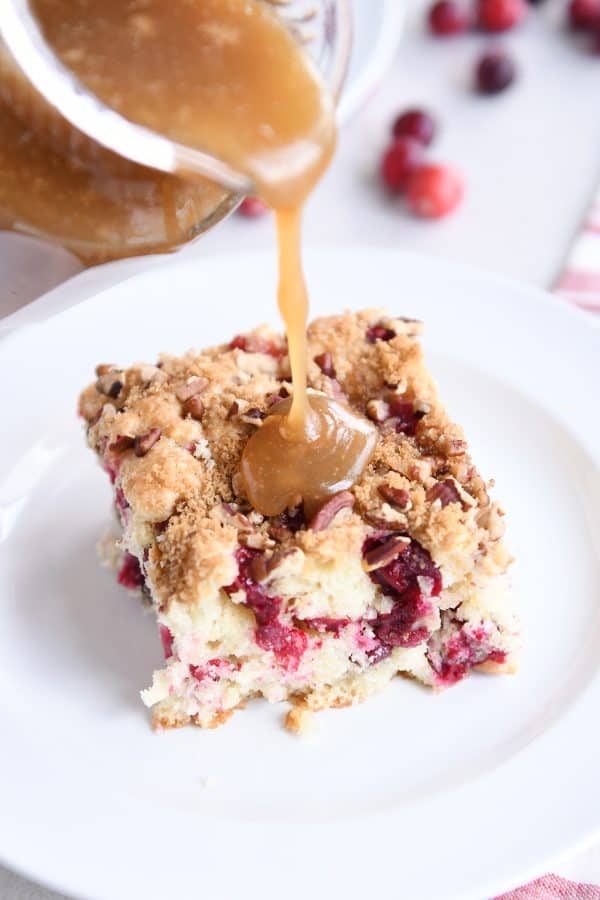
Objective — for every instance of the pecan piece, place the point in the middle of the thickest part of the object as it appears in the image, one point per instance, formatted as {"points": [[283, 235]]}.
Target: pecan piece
{"points": [[379, 333], [444, 491], [325, 516], [258, 568], [196, 386], [253, 416], [104, 369], [325, 363], [378, 410], [121, 443], [145, 442], [456, 447], [385, 553], [276, 558], [194, 407], [115, 389], [395, 496]]}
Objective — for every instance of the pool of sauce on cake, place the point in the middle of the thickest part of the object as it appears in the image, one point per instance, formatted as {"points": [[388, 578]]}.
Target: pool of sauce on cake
{"points": [[227, 77]]}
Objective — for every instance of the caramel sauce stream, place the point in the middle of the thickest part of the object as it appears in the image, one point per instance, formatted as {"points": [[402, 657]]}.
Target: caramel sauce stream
{"points": [[227, 77], [292, 298]]}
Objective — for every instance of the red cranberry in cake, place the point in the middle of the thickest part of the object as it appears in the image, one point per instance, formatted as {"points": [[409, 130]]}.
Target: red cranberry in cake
{"points": [[404, 573], [130, 574]]}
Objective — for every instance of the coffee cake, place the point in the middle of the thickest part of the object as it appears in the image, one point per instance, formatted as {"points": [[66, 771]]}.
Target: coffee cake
{"points": [[406, 573]]}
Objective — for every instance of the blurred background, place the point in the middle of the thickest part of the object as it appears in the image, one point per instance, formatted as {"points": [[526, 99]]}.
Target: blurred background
{"points": [[529, 154]]}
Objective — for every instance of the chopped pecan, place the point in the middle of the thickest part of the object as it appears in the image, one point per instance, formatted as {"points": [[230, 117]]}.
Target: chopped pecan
{"points": [[194, 407], [379, 333], [396, 496], [115, 389], [378, 410], [385, 553], [196, 386], [276, 558], [491, 518], [121, 443], [325, 363], [253, 416], [456, 447], [258, 568], [145, 442], [444, 491], [104, 369], [330, 509]]}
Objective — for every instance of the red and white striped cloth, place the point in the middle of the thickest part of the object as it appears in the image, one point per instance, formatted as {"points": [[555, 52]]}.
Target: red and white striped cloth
{"points": [[553, 887], [580, 281]]}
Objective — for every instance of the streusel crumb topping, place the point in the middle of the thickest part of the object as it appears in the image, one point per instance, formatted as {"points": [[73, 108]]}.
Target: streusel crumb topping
{"points": [[174, 433]]}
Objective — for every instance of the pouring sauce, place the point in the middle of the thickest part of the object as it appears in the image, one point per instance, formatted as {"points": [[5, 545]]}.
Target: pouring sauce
{"points": [[228, 78]]}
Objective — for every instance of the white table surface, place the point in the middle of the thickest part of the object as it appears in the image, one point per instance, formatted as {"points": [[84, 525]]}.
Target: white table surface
{"points": [[531, 158]]}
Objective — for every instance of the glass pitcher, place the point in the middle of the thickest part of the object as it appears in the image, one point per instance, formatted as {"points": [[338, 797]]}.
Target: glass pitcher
{"points": [[76, 173]]}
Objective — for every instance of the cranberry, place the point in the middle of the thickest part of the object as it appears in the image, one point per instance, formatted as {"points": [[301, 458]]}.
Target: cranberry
{"points": [[500, 15], [130, 574], [595, 48], [288, 644], [460, 648], [434, 191], [252, 208], [447, 17], [382, 651], [584, 15], [167, 640], [399, 579], [495, 71], [120, 500], [213, 669], [110, 471], [401, 574], [401, 158], [417, 124], [322, 624]]}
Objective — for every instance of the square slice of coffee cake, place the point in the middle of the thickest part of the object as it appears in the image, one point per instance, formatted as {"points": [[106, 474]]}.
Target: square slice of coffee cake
{"points": [[406, 573]]}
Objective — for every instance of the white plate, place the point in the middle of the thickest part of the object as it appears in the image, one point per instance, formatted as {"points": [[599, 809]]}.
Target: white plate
{"points": [[412, 795]]}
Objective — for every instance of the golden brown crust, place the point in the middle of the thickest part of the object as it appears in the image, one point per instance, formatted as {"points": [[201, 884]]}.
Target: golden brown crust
{"points": [[165, 720]]}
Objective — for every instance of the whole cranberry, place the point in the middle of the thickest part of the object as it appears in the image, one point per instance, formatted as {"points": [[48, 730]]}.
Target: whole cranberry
{"points": [[417, 124], [494, 72], [402, 157], [434, 191], [584, 15], [447, 17], [252, 208], [500, 15]]}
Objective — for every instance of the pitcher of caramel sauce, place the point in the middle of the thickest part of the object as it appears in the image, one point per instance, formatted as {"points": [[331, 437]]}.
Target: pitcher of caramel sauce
{"points": [[76, 166]]}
